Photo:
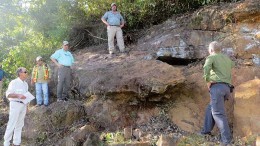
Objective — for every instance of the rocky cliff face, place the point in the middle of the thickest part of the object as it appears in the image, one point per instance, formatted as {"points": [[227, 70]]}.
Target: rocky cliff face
{"points": [[158, 88]]}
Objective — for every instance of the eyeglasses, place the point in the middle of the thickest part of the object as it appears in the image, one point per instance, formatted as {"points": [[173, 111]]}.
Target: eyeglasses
{"points": [[25, 72]]}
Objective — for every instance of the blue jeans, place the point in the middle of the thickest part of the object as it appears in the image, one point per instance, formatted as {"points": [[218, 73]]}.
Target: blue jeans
{"points": [[215, 112], [42, 89]]}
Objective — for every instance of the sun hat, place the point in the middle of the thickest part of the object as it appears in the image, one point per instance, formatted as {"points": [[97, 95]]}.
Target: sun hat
{"points": [[38, 58], [65, 42], [113, 4]]}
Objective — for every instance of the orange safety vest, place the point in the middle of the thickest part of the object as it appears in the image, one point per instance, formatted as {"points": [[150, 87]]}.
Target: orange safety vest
{"points": [[35, 72]]}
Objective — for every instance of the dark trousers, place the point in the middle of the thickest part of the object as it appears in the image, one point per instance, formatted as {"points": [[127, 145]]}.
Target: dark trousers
{"points": [[64, 80], [215, 112]]}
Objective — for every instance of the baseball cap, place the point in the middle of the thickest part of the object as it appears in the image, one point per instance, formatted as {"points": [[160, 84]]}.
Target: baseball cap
{"points": [[38, 58], [65, 42], [113, 4]]}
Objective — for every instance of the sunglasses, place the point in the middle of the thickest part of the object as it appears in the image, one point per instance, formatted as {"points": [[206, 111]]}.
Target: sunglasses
{"points": [[25, 72]]}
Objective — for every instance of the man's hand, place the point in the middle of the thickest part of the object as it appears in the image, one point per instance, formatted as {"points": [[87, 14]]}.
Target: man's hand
{"points": [[59, 65], [21, 96], [32, 82], [208, 85]]}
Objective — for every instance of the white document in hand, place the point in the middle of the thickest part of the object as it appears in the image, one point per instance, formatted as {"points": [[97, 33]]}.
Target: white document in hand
{"points": [[29, 97]]}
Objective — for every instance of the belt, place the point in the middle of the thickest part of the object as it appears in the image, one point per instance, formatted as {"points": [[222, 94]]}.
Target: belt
{"points": [[66, 66], [219, 83], [115, 25], [18, 101]]}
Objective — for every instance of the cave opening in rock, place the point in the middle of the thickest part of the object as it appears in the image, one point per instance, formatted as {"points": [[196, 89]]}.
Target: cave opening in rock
{"points": [[176, 61]]}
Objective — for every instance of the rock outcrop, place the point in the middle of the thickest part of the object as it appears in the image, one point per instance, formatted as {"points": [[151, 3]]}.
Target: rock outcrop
{"points": [[246, 113], [157, 87]]}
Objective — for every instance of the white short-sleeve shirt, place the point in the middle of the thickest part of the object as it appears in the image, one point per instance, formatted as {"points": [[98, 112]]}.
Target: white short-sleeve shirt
{"points": [[16, 86]]}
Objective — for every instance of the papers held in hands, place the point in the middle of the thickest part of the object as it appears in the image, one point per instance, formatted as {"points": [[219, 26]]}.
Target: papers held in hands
{"points": [[29, 97]]}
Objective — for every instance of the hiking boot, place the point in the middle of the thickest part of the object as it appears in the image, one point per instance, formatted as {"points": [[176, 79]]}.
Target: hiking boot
{"points": [[204, 134], [222, 144], [111, 56], [59, 100]]}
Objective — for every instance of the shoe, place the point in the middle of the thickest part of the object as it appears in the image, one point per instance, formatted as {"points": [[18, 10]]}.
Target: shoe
{"points": [[204, 134], [127, 49], [46, 105], [222, 144], [59, 100], [124, 54], [111, 56], [37, 105]]}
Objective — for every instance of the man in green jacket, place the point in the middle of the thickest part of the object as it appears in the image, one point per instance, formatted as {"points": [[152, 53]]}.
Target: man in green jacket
{"points": [[217, 73]]}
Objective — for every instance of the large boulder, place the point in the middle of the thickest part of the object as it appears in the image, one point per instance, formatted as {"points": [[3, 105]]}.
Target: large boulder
{"points": [[187, 37], [143, 79]]}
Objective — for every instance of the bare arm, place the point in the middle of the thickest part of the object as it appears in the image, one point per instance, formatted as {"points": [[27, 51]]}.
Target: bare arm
{"points": [[56, 62], [104, 21], [122, 24]]}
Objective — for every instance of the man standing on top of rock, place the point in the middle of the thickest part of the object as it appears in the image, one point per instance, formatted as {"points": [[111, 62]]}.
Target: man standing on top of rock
{"points": [[41, 76], [114, 22], [217, 73], [63, 59]]}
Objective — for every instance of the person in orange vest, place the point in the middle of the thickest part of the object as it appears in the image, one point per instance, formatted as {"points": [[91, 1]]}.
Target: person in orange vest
{"points": [[41, 76]]}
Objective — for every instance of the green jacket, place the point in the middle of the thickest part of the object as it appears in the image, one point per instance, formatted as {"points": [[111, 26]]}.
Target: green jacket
{"points": [[217, 68]]}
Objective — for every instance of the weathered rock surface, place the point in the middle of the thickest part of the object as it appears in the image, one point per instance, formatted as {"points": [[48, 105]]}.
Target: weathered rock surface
{"points": [[54, 120], [138, 91], [235, 25], [166, 141], [246, 113], [146, 80]]}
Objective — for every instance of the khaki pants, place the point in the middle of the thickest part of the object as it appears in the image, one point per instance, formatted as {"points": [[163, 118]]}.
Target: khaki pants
{"points": [[113, 31]]}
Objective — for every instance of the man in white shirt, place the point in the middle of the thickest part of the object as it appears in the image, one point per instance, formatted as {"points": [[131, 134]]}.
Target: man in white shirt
{"points": [[15, 93]]}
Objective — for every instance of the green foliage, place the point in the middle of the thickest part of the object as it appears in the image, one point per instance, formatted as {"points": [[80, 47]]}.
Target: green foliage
{"points": [[25, 53], [193, 140], [114, 138], [41, 138], [251, 140]]}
